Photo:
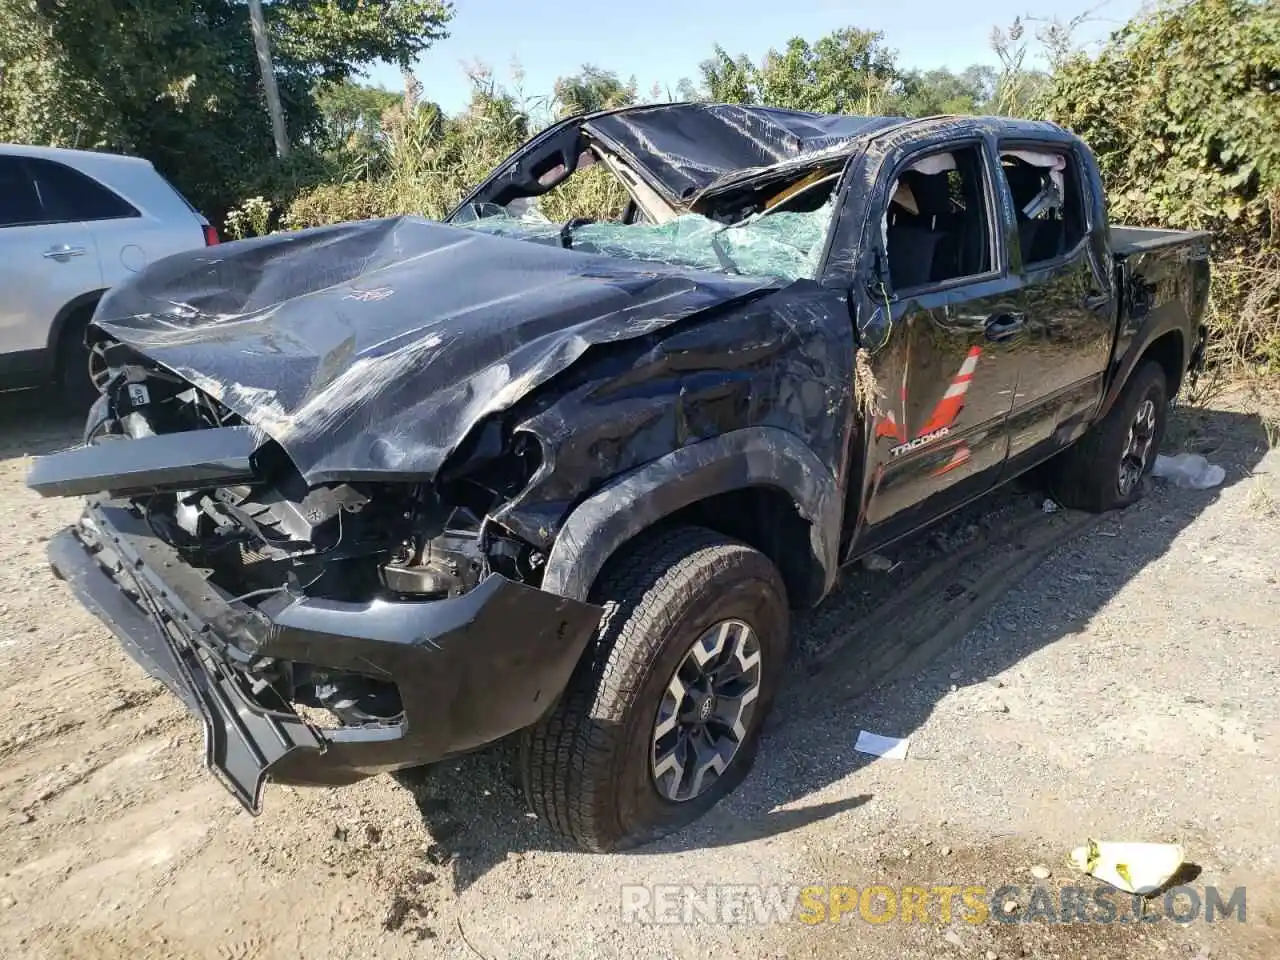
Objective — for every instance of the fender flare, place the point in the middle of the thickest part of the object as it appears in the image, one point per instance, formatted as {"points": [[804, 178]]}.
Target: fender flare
{"points": [[630, 504], [1133, 355]]}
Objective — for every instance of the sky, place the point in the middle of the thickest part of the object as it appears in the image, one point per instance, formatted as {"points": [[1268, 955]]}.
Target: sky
{"points": [[660, 41]]}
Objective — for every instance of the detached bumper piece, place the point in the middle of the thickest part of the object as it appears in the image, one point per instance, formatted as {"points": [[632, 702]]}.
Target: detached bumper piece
{"points": [[469, 670], [149, 464]]}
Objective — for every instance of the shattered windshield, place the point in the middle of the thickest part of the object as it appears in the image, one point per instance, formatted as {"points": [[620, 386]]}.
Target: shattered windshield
{"points": [[781, 244]]}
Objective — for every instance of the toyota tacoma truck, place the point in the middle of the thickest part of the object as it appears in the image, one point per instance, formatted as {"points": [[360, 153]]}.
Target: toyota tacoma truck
{"points": [[372, 495]]}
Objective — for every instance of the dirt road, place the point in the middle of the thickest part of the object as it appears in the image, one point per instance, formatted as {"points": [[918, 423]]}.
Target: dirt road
{"points": [[1060, 677]]}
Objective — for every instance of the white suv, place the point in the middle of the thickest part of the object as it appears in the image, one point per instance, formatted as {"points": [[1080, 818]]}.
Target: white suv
{"points": [[72, 224]]}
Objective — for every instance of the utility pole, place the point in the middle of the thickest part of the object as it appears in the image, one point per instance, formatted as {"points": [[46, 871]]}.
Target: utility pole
{"points": [[268, 78]]}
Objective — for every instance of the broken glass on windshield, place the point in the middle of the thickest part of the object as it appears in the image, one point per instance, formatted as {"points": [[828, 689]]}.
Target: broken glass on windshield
{"points": [[784, 244]]}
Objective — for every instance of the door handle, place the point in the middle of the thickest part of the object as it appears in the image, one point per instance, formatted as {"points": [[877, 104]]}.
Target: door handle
{"points": [[63, 252], [1004, 326]]}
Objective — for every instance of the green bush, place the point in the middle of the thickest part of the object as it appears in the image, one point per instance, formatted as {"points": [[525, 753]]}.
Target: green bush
{"points": [[1182, 108], [336, 203]]}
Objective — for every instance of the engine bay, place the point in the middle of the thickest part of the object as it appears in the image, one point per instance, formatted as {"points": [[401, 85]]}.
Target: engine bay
{"points": [[353, 542]]}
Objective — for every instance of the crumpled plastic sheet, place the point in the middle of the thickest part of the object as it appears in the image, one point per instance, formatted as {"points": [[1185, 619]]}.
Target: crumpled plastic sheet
{"points": [[1189, 470], [784, 245]]}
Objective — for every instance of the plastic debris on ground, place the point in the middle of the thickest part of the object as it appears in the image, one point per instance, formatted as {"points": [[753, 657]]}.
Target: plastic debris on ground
{"points": [[1141, 868], [877, 563], [891, 748], [784, 245], [1049, 506], [1189, 471]]}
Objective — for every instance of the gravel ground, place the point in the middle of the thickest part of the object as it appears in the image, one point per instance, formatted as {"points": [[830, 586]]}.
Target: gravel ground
{"points": [[1060, 677]]}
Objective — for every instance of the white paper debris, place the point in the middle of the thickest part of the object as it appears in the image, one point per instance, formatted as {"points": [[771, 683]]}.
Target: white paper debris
{"points": [[1049, 506], [891, 748], [1189, 470]]}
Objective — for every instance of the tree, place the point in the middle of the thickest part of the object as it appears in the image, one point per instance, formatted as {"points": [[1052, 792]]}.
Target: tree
{"points": [[686, 91], [353, 111], [329, 40], [847, 71], [267, 70], [937, 92], [592, 89], [177, 81], [1183, 108], [729, 79]]}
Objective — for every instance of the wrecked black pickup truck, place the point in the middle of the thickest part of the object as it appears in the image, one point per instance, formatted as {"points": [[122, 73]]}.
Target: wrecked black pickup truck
{"points": [[373, 495]]}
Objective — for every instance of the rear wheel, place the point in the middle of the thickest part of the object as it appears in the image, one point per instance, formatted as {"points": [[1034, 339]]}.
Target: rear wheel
{"points": [[79, 366], [1104, 470], [662, 717]]}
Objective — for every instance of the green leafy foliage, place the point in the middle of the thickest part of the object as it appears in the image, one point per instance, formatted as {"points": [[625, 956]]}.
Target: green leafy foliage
{"points": [[427, 161], [851, 71], [937, 92], [592, 89], [177, 81], [1182, 107], [847, 71], [328, 38], [352, 112], [1018, 86]]}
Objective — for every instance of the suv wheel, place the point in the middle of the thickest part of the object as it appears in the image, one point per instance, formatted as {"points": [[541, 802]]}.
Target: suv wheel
{"points": [[80, 368], [662, 716], [1104, 470]]}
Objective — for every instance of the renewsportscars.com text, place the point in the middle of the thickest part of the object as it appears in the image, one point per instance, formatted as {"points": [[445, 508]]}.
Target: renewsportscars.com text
{"points": [[766, 904]]}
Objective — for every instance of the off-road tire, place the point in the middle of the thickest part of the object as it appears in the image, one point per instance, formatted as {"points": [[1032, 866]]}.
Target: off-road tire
{"points": [[1086, 475], [586, 767]]}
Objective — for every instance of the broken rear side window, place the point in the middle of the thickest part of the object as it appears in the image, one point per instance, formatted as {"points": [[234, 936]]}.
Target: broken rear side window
{"points": [[1047, 200]]}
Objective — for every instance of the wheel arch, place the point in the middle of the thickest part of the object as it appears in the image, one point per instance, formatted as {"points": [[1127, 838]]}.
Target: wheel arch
{"points": [[72, 309], [761, 485], [1169, 347], [1170, 351]]}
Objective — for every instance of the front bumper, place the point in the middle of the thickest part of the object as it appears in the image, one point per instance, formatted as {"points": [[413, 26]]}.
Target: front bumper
{"points": [[470, 669]]}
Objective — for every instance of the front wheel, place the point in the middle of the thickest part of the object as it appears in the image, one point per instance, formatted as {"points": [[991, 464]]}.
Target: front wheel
{"points": [[663, 714], [1104, 470]]}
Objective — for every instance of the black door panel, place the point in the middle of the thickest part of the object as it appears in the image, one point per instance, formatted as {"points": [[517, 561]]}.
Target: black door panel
{"points": [[948, 386], [947, 369], [1067, 305]]}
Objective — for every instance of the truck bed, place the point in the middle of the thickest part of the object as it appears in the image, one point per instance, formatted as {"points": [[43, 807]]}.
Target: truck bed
{"points": [[1129, 240]]}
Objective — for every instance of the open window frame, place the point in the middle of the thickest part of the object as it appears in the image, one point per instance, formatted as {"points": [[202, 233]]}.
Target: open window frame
{"points": [[1075, 170], [874, 228]]}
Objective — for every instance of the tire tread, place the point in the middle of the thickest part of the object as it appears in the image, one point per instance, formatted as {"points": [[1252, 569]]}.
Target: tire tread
{"points": [[1083, 477], [569, 759]]}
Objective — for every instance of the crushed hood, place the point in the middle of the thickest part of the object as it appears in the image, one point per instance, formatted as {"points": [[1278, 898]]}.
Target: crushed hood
{"points": [[371, 349]]}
